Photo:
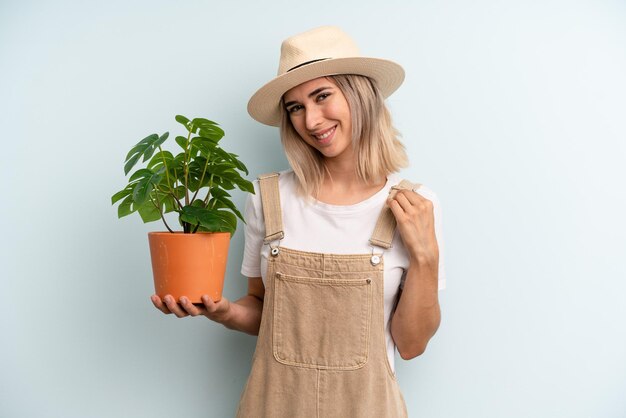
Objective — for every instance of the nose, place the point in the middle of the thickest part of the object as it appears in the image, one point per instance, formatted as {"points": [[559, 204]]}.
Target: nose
{"points": [[313, 117]]}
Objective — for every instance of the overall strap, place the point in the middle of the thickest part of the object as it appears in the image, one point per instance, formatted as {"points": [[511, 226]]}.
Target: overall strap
{"points": [[386, 224], [270, 199]]}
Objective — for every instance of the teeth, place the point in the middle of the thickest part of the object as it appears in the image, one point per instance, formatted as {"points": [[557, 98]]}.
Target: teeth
{"points": [[326, 135]]}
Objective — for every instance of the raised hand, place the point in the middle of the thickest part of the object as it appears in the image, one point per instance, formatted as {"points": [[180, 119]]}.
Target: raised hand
{"points": [[416, 225]]}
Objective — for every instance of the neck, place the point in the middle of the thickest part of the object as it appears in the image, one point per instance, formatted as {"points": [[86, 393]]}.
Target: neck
{"points": [[342, 186], [340, 174], [341, 170]]}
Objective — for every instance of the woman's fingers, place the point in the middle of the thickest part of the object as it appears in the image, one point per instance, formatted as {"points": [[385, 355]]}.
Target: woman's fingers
{"points": [[211, 306], [396, 209], [411, 202], [216, 310], [404, 203], [401, 206], [415, 220], [174, 307], [189, 307], [184, 307], [208, 303], [158, 303]]}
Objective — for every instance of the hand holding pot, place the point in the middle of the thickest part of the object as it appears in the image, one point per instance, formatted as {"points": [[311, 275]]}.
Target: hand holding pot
{"points": [[215, 311]]}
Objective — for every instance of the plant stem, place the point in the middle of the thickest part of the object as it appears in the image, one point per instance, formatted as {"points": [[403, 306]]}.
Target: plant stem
{"points": [[202, 177], [167, 175], [206, 199], [158, 206], [173, 196], [176, 177], [186, 165], [167, 171]]}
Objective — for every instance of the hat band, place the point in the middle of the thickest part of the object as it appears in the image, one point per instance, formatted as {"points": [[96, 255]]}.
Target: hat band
{"points": [[305, 63]]}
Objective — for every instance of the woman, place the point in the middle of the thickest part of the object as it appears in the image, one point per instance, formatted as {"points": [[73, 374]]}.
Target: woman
{"points": [[333, 290]]}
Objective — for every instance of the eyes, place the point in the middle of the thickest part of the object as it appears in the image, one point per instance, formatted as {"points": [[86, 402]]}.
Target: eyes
{"points": [[294, 109], [291, 109]]}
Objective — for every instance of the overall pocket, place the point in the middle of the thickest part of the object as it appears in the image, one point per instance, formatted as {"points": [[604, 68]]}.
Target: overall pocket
{"points": [[322, 323]]}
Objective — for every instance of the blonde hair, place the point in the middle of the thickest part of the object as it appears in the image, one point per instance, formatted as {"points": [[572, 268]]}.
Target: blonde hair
{"points": [[379, 152]]}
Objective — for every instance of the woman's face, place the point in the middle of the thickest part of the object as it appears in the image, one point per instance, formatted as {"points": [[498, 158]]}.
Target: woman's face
{"points": [[320, 114]]}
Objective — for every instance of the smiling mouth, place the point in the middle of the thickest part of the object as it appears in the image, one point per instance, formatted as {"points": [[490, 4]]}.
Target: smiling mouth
{"points": [[325, 135]]}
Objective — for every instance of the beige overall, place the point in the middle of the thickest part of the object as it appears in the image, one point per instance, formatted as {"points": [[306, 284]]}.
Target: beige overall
{"points": [[321, 350]]}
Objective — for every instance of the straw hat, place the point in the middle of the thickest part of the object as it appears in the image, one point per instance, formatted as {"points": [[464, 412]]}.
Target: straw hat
{"points": [[319, 52]]}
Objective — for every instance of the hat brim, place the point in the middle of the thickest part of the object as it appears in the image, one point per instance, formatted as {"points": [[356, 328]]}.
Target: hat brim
{"points": [[264, 104]]}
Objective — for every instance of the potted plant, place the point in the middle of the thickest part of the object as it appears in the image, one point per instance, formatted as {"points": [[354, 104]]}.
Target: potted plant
{"points": [[193, 183]]}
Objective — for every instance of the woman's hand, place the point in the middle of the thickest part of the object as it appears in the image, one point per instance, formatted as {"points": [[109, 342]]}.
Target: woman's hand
{"points": [[417, 315], [416, 224], [215, 311]]}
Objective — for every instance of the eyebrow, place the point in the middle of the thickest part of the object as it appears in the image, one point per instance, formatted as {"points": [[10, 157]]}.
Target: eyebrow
{"points": [[313, 93]]}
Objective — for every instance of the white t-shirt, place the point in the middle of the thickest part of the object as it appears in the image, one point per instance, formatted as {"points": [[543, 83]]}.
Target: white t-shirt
{"points": [[313, 226]]}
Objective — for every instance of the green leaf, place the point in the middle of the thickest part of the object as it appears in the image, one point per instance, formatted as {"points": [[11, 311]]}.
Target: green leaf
{"points": [[212, 220], [225, 156], [207, 126], [221, 168], [212, 132], [205, 145], [223, 183], [126, 207], [219, 193], [234, 177], [130, 163], [195, 172], [229, 222], [143, 147], [143, 188], [216, 204], [197, 164], [235, 210], [149, 212], [148, 153], [140, 174], [161, 140], [198, 203], [178, 165], [203, 123], [121, 194], [169, 205], [245, 185], [141, 192], [165, 199], [182, 141], [226, 203], [179, 192], [241, 166], [160, 158], [182, 120], [192, 215]]}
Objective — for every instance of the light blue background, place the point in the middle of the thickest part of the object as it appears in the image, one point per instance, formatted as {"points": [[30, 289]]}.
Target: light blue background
{"points": [[513, 113]]}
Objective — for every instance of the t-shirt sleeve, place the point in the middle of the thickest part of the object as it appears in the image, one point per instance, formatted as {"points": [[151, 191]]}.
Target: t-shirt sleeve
{"points": [[254, 232], [430, 195]]}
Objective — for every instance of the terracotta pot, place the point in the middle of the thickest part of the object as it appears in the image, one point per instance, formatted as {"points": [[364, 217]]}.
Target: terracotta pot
{"points": [[189, 265]]}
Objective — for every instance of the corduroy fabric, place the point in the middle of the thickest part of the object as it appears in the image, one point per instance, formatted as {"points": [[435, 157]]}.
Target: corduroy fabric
{"points": [[321, 347], [271, 204], [386, 224]]}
